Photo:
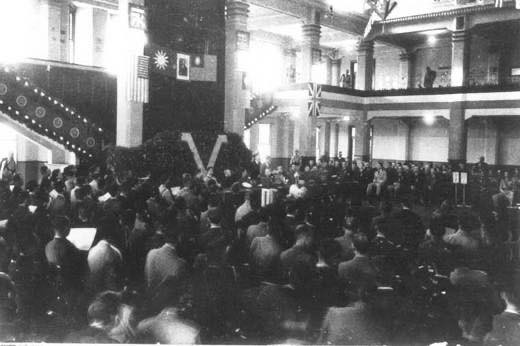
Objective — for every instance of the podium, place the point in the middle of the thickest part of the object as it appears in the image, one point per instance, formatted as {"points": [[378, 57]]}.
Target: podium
{"points": [[267, 196]]}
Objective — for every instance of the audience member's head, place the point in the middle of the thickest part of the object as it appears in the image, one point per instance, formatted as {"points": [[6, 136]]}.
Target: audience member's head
{"points": [[215, 216], [437, 229], [61, 226], [361, 243]]}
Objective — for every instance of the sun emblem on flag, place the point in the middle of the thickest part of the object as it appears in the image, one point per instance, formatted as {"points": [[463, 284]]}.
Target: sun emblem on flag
{"points": [[161, 60], [314, 102]]}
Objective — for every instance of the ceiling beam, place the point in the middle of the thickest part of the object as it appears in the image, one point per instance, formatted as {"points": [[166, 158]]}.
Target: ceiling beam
{"points": [[352, 24]]}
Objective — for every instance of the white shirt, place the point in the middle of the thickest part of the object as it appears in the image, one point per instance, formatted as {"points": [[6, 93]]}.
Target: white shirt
{"points": [[297, 192]]}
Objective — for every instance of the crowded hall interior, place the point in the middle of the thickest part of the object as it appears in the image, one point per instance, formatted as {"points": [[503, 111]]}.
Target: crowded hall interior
{"points": [[260, 172]]}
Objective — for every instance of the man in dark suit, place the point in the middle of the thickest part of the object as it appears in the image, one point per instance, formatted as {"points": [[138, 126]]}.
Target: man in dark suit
{"points": [[165, 272], [413, 230], [299, 262], [506, 326], [105, 259], [61, 253], [384, 253], [290, 222], [358, 273], [214, 230], [213, 203], [261, 229], [357, 324]]}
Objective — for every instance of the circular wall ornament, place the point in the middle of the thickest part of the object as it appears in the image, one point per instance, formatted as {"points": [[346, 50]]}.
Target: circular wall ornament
{"points": [[21, 101], [91, 142], [57, 122], [40, 112], [74, 132], [3, 89]]}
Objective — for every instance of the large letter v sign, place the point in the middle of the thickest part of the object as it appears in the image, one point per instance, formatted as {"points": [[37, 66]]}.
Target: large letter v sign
{"points": [[221, 139]]}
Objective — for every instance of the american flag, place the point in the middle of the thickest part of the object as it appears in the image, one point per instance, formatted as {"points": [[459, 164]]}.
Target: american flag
{"points": [[143, 65], [138, 82]]}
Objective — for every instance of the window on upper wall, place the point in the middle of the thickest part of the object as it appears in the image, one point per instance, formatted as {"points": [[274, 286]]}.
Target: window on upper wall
{"points": [[72, 32]]}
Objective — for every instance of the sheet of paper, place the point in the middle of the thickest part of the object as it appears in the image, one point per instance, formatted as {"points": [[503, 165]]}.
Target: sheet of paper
{"points": [[82, 238], [105, 197]]}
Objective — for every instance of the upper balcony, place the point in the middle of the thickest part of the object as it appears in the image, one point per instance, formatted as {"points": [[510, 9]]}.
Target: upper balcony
{"points": [[336, 102]]}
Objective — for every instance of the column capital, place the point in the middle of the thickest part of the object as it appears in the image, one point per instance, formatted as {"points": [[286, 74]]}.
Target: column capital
{"points": [[237, 10], [335, 61], [365, 46], [311, 33], [460, 36], [291, 52], [406, 56]]}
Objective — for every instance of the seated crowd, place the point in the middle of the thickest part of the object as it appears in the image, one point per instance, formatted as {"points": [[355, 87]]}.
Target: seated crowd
{"points": [[207, 262]]}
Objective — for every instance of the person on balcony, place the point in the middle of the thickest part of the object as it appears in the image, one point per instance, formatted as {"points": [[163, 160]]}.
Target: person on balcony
{"points": [[343, 81], [429, 78], [296, 159], [506, 187]]}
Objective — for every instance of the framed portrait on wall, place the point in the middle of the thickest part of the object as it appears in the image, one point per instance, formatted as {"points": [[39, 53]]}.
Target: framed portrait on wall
{"points": [[183, 67], [137, 17]]}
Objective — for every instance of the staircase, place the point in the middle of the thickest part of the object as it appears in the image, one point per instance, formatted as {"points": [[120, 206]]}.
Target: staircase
{"points": [[48, 116], [261, 106]]}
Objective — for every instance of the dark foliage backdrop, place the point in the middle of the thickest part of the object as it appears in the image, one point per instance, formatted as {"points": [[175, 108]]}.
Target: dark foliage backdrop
{"points": [[166, 153]]}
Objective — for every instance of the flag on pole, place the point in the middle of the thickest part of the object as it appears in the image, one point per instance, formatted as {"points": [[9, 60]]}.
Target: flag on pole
{"points": [[138, 81], [314, 101]]}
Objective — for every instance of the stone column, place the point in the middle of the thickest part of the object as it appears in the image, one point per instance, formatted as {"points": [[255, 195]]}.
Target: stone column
{"points": [[365, 65], [460, 56], [235, 97], [306, 123], [407, 135], [362, 151], [326, 137], [84, 36], [328, 62], [336, 71], [310, 42], [406, 70], [337, 129], [457, 134], [129, 111]]}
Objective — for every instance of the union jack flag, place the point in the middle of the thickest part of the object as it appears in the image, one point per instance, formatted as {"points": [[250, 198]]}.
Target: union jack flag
{"points": [[314, 102]]}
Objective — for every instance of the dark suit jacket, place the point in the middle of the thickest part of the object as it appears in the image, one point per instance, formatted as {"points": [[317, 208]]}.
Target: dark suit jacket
{"points": [[289, 226], [163, 264], [63, 253], [105, 267], [352, 325], [301, 263], [357, 273], [258, 230]]}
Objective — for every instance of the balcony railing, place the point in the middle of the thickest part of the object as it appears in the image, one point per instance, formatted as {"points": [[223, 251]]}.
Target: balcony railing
{"points": [[90, 90]]}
